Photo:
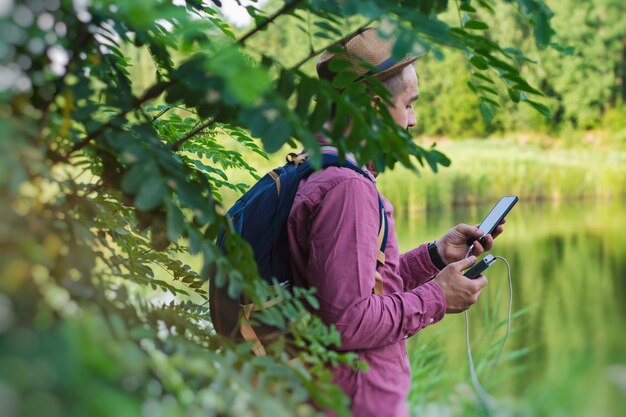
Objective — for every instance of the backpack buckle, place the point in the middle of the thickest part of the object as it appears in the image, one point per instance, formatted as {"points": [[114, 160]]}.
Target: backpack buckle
{"points": [[296, 159]]}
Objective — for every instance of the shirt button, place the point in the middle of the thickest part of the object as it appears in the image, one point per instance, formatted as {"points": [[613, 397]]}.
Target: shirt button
{"points": [[431, 320]]}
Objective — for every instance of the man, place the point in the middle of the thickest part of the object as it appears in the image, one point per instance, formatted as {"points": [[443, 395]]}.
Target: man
{"points": [[333, 228]]}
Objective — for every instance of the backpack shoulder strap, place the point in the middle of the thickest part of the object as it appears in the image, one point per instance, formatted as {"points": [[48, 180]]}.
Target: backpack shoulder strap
{"points": [[330, 157]]}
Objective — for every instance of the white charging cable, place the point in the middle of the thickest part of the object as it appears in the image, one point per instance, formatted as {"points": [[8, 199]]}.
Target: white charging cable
{"points": [[487, 400]]}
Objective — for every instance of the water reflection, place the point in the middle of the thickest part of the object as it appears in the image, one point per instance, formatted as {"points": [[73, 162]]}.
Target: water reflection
{"points": [[569, 276]]}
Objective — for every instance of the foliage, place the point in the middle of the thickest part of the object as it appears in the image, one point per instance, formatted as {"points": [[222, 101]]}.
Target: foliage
{"points": [[585, 85], [105, 182], [585, 79]]}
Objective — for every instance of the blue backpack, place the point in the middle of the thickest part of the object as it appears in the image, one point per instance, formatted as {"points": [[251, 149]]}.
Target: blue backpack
{"points": [[260, 217]]}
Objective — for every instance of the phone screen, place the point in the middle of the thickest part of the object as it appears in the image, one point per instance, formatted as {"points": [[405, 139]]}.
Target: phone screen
{"points": [[496, 214]]}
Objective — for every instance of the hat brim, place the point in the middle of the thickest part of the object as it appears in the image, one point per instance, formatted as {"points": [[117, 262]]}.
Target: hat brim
{"points": [[381, 74], [387, 73], [394, 69]]}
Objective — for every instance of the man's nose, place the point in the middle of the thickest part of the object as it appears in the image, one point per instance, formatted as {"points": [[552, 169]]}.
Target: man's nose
{"points": [[411, 122]]}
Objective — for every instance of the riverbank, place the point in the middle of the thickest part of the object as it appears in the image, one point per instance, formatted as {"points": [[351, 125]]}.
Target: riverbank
{"points": [[485, 169]]}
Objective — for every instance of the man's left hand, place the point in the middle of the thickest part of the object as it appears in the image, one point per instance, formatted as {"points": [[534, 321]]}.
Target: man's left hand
{"points": [[452, 246]]}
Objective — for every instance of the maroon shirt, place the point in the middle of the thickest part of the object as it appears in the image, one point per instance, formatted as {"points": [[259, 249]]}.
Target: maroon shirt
{"points": [[332, 227]]}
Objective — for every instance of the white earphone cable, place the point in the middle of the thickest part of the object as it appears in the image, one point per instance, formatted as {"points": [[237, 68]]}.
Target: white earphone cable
{"points": [[487, 400]]}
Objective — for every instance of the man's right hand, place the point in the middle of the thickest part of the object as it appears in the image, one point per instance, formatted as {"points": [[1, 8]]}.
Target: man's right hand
{"points": [[460, 291]]}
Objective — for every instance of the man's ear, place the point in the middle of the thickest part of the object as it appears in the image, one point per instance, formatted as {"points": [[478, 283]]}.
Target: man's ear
{"points": [[376, 100]]}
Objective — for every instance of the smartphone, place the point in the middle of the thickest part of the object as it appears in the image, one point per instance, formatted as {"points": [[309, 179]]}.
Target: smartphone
{"points": [[495, 216], [478, 268]]}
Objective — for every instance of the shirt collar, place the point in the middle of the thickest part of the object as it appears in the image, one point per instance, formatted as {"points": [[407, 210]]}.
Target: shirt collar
{"points": [[326, 146]]}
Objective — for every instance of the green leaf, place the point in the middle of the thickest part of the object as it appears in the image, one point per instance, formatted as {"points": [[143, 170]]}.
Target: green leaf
{"points": [[487, 89], [434, 158], [512, 76], [306, 89], [487, 6], [542, 108], [175, 221], [486, 110], [323, 35], [475, 24], [320, 114], [250, 84], [339, 65], [344, 79], [328, 27], [220, 276], [438, 53], [505, 66], [543, 30], [479, 62], [490, 101], [134, 178], [467, 8], [441, 158], [404, 44], [268, 123], [565, 50], [525, 87], [286, 83], [517, 54], [245, 81], [150, 194], [483, 77], [190, 195], [459, 32], [234, 284], [313, 302], [514, 94]]}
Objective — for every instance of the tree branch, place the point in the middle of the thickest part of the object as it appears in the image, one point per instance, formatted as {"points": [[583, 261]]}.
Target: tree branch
{"points": [[314, 53], [176, 145], [161, 113], [152, 92], [283, 10]]}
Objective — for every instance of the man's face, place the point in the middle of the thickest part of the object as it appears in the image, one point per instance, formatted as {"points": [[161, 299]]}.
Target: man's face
{"points": [[402, 111]]}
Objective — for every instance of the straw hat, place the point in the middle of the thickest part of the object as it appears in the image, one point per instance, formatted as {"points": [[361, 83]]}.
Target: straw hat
{"points": [[368, 54]]}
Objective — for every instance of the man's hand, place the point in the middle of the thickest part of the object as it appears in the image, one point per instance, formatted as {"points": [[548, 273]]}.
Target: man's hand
{"points": [[460, 292], [452, 246]]}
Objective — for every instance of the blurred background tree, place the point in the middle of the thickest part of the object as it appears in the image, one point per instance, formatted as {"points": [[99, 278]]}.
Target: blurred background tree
{"points": [[585, 84]]}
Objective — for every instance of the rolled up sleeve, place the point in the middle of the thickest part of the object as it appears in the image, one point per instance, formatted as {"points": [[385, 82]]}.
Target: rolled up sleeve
{"points": [[416, 267]]}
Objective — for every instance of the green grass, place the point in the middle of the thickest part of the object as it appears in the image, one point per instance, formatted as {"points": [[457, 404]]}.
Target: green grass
{"points": [[484, 170]]}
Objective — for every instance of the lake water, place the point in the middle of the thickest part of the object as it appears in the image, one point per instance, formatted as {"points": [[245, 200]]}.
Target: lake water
{"points": [[566, 355]]}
